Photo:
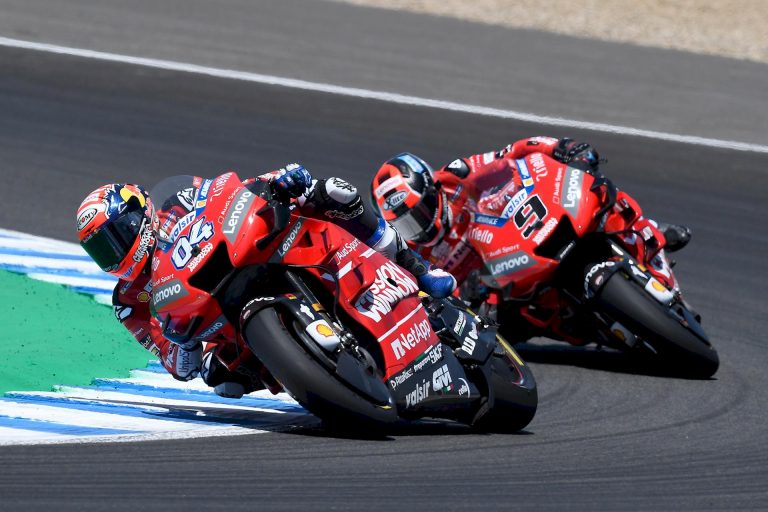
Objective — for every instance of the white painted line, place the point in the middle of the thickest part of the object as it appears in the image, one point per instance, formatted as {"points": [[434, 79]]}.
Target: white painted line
{"points": [[38, 262], [20, 436], [79, 418], [380, 96], [17, 437], [37, 242], [47, 245], [99, 396]]}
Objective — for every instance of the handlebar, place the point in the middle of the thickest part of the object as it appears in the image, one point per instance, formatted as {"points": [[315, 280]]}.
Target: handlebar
{"points": [[610, 192]]}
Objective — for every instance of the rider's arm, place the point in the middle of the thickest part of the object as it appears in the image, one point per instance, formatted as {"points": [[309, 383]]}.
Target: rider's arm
{"points": [[290, 183], [565, 150], [182, 364]]}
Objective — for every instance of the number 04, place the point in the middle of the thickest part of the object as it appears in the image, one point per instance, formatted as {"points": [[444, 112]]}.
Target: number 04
{"points": [[182, 251]]}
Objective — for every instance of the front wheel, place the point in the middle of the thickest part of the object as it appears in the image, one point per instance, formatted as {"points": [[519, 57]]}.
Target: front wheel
{"points": [[272, 338], [675, 348]]}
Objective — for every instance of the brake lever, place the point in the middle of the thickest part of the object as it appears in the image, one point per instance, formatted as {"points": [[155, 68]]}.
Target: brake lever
{"points": [[611, 193]]}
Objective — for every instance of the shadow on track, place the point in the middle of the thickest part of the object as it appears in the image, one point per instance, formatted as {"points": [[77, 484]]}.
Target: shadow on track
{"points": [[593, 358], [426, 428]]}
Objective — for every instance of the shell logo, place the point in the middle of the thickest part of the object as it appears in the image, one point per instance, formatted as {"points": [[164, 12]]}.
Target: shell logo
{"points": [[143, 297], [658, 286], [324, 330], [619, 334]]}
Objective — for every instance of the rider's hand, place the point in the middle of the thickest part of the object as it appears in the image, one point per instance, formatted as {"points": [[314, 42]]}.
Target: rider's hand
{"points": [[584, 156], [577, 154], [292, 181]]}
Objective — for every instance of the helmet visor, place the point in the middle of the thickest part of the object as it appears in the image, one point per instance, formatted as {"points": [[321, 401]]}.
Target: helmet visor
{"points": [[418, 223], [109, 245]]}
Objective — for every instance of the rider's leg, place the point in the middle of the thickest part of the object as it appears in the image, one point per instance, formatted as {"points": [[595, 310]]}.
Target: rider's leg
{"points": [[339, 200], [224, 382]]}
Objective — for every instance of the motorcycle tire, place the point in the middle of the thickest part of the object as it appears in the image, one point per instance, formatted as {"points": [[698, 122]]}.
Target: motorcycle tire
{"points": [[515, 399], [677, 349], [317, 390]]}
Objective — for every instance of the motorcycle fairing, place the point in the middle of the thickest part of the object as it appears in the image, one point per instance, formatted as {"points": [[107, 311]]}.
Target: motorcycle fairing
{"points": [[236, 227], [550, 193]]}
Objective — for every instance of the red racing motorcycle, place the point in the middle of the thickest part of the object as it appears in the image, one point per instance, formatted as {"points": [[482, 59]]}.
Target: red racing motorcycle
{"points": [[570, 257], [337, 325]]}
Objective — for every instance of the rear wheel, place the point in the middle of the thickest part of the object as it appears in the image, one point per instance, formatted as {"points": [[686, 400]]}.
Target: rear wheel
{"points": [[272, 339], [674, 347]]}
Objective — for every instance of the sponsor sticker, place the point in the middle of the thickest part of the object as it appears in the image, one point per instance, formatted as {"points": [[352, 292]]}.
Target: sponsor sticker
{"points": [[461, 321], [233, 220], [513, 203], [419, 394], [168, 293], [546, 230], [202, 196], [85, 218], [488, 220], [573, 184], [395, 200], [464, 388], [481, 235], [391, 285], [539, 166], [413, 163], [411, 339], [212, 329], [290, 238], [431, 356], [346, 250], [388, 185], [470, 341], [441, 378], [192, 265], [401, 378], [510, 264], [525, 174]]}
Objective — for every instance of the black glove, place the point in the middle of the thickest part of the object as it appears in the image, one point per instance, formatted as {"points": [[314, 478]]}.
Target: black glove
{"points": [[580, 155]]}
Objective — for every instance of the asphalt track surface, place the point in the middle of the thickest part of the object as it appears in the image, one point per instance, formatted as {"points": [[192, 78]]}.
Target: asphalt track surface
{"points": [[606, 436]]}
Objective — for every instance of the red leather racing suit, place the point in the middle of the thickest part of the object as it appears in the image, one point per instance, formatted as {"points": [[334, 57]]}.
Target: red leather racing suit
{"points": [[490, 179], [332, 197]]}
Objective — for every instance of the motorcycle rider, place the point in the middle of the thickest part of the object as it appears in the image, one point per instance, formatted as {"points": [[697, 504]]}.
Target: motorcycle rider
{"points": [[434, 215], [119, 228]]}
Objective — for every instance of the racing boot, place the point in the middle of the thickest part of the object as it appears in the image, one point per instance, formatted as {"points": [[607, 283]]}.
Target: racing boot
{"points": [[226, 383], [436, 282], [677, 236]]}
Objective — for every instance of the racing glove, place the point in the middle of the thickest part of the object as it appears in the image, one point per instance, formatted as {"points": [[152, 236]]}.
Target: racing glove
{"points": [[578, 154], [291, 181], [184, 364]]}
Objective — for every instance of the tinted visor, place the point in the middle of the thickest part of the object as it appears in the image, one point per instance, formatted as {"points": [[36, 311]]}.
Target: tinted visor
{"points": [[418, 223], [110, 244]]}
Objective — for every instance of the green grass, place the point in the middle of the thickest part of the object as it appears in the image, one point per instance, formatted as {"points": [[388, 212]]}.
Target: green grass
{"points": [[51, 335]]}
